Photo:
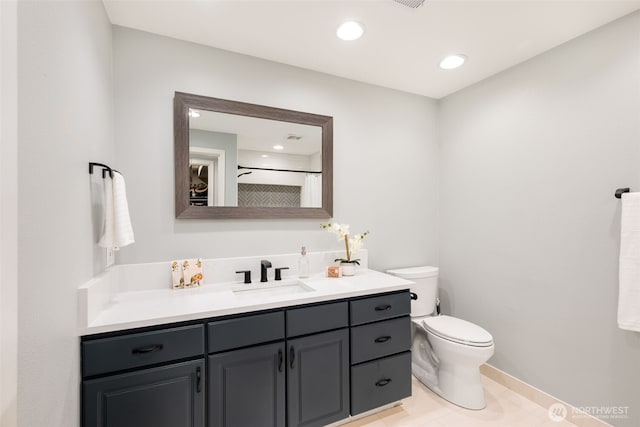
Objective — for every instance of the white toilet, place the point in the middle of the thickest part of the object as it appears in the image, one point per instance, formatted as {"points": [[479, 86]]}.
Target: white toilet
{"points": [[446, 352]]}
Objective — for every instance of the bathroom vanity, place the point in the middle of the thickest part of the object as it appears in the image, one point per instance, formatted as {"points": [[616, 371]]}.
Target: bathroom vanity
{"points": [[308, 359]]}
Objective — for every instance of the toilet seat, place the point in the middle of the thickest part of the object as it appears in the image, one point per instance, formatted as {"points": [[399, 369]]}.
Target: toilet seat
{"points": [[458, 331]]}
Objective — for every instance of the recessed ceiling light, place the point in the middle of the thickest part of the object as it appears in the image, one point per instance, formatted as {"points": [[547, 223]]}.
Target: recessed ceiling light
{"points": [[278, 147], [350, 30], [264, 155], [452, 61], [194, 113]]}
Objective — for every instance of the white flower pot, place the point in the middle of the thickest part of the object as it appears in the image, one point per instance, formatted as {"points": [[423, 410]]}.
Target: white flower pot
{"points": [[348, 268]]}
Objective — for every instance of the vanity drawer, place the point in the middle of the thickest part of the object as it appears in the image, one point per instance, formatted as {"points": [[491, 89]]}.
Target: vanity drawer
{"points": [[245, 331], [380, 382], [380, 339], [134, 350], [319, 318], [379, 308]]}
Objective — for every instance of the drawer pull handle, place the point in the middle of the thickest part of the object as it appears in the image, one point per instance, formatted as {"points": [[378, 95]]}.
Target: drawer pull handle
{"points": [[145, 350], [414, 296], [382, 339], [383, 383], [280, 360], [198, 380], [292, 356], [383, 307]]}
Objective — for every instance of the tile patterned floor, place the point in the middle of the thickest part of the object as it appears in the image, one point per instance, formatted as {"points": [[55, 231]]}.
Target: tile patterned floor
{"points": [[505, 408]]}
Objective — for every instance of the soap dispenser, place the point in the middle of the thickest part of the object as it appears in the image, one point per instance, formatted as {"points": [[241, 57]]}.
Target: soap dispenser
{"points": [[303, 263]]}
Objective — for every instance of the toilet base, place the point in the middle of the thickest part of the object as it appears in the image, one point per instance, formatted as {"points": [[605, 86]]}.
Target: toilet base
{"points": [[462, 386], [472, 399]]}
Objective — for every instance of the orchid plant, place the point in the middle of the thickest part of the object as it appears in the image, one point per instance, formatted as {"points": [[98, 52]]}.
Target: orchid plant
{"points": [[352, 244]]}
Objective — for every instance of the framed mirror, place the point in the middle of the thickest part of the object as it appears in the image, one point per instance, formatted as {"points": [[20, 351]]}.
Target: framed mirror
{"points": [[240, 160]]}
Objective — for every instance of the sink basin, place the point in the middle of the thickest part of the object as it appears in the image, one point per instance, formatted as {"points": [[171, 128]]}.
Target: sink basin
{"points": [[271, 289]]}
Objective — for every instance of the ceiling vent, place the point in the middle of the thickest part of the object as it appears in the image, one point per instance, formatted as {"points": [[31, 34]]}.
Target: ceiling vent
{"points": [[414, 4]]}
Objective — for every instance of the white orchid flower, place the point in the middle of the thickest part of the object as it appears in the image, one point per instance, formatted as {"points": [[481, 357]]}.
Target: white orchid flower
{"points": [[353, 244]]}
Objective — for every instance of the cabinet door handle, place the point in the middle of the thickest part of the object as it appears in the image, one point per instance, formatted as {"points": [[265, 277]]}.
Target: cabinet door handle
{"points": [[280, 360], [414, 296], [292, 356], [382, 339], [383, 307], [383, 382], [145, 350], [198, 380]]}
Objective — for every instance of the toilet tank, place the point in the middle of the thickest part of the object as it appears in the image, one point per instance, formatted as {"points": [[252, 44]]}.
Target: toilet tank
{"points": [[425, 288]]}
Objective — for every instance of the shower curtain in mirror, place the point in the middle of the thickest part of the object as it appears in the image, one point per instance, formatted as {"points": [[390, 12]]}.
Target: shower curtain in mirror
{"points": [[311, 195]]}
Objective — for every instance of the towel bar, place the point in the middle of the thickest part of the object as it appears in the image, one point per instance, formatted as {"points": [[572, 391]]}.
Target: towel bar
{"points": [[104, 167], [619, 192]]}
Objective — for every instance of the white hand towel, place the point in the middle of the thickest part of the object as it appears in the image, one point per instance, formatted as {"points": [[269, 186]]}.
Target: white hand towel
{"points": [[107, 239], [629, 276], [117, 231], [122, 221]]}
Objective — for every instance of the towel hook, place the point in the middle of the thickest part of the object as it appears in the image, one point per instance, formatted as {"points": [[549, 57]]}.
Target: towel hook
{"points": [[619, 192]]}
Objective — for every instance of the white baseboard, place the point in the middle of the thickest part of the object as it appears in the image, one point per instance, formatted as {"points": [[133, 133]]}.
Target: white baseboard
{"points": [[364, 414], [574, 415]]}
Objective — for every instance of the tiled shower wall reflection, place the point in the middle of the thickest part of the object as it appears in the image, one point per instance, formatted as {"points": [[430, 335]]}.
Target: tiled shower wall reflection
{"points": [[264, 195]]}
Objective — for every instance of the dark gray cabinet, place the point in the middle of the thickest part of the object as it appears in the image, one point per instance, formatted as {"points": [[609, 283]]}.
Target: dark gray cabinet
{"points": [[380, 339], [380, 356], [317, 318], [166, 396], [244, 331], [112, 354], [301, 366], [247, 387], [318, 379], [263, 384], [379, 307], [379, 382]]}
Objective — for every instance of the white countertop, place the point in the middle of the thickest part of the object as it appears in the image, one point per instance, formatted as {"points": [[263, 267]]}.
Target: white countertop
{"points": [[126, 310]]}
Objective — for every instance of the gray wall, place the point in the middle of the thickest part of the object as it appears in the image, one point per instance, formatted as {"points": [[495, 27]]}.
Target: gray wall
{"points": [[385, 154], [8, 213], [65, 120], [529, 229], [229, 143]]}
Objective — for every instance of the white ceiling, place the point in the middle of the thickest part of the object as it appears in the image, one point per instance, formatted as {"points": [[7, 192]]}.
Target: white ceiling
{"points": [[401, 47], [262, 134]]}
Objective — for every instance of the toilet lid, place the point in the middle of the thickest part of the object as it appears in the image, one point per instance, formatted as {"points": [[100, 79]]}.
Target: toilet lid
{"points": [[458, 330], [415, 272]]}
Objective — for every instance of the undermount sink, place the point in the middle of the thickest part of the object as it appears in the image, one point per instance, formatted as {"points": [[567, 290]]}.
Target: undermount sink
{"points": [[271, 289]]}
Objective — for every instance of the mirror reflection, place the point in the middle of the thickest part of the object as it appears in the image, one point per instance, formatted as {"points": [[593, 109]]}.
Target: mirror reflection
{"points": [[238, 160], [243, 161]]}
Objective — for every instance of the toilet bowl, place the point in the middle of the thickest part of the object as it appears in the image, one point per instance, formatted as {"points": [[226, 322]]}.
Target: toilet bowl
{"points": [[447, 352]]}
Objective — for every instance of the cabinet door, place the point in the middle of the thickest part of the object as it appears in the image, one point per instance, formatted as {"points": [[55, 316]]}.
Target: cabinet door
{"points": [[246, 387], [167, 396], [318, 379]]}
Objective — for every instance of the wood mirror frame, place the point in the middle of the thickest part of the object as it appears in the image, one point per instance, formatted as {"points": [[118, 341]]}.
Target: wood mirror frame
{"points": [[182, 102]]}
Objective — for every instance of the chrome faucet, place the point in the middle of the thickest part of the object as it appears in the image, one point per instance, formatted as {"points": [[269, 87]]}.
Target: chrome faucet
{"points": [[264, 264]]}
